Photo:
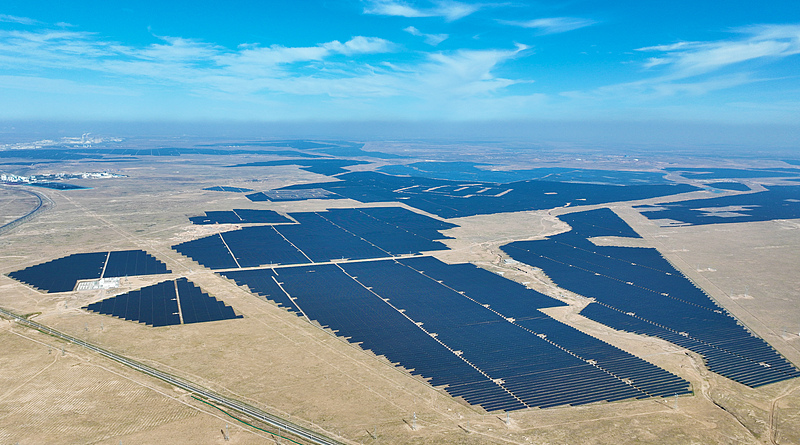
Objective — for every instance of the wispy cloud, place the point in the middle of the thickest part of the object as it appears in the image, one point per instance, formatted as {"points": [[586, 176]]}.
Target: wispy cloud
{"points": [[430, 39], [687, 59], [698, 68], [552, 25], [448, 9], [14, 19], [253, 72]]}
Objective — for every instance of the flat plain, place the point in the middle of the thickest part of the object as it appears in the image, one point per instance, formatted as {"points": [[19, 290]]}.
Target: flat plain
{"points": [[58, 393]]}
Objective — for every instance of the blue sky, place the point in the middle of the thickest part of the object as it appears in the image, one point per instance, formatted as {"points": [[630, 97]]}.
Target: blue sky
{"points": [[353, 60]]}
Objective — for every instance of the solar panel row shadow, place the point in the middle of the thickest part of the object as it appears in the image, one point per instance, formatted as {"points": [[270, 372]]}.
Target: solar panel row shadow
{"points": [[61, 275], [240, 216], [661, 301], [157, 305], [643, 270], [649, 378]]}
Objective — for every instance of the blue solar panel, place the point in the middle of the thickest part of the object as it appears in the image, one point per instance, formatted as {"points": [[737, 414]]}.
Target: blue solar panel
{"points": [[240, 216], [403, 311], [157, 305], [210, 251], [197, 306], [133, 262], [639, 291], [262, 282], [154, 305], [61, 275]]}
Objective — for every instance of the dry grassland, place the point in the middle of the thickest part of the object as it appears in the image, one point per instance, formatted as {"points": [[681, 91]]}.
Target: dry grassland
{"points": [[279, 362]]}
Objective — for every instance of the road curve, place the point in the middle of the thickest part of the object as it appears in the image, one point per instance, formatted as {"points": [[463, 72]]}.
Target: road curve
{"points": [[241, 407], [43, 200]]}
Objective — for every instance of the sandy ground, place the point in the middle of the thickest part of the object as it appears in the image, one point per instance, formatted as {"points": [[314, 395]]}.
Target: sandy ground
{"points": [[289, 367]]}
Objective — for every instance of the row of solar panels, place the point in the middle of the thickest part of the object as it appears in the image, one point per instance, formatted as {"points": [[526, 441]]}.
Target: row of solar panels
{"points": [[61, 275], [639, 291], [456, 325], [166, 303], [320, 237]]}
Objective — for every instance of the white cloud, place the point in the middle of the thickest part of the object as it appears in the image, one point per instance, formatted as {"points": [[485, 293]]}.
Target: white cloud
{"points": [[252, 73], [430, 39], [687, 59], [552, 25], [448, 9], [360, 45], [698, 68], [20, 20]]}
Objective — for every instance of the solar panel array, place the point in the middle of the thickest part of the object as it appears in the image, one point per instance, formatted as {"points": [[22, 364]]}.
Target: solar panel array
{"points": [[128, 263], [158, 305], [224, 188], [474, 332], [320, 237], [240, 216], [453, 199], [637, 290], [61, 275], [776, 202]]}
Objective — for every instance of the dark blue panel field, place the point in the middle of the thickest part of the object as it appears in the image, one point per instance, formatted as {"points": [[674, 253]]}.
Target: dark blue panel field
{"points": [[452, 199], [223, 188], [261, 245], [210, 251], [777, 202], [262, 282], [62, 274], [637, 290], [240, 216], [320, 237], [198, 307], [327, 167], [128, 263], [323, 241], [474, 332], [157, 305], [726, 173], [393, 237], [734, 186], [504, 296], [471, 171]]}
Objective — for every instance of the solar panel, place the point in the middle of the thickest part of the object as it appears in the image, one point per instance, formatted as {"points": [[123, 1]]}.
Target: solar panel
{"points": [[61, 275], [637, 290], [158, 305], [403, 311]]}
